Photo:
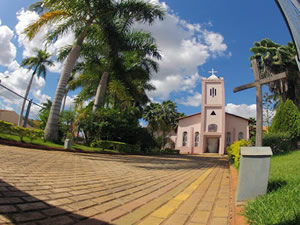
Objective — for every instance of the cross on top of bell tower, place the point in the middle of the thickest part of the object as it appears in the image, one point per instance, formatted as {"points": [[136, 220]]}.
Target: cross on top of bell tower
{"points": [[213, 76], [212, 71]]}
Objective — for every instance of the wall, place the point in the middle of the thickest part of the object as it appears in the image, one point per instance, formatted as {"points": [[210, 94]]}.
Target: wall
{"points": [[191, 125], [9, 116], [235, 125]]}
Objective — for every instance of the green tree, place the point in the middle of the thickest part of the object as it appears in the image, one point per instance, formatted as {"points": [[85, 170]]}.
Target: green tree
{"points": [[44, 114], [274, 58], [131, 41], [162, 118], [38, 63], [82, 17], [252, 127], [287, 119], [131, 74]]}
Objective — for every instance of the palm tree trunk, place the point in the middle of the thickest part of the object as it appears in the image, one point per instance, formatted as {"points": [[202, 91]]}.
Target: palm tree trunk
{"points": [[99, 98], [64, 102], [51, 130], [25, 98]]}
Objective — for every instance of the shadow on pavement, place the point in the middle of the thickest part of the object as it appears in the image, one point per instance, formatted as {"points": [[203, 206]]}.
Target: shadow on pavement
{"points": [[160, 162], [18, 207]]}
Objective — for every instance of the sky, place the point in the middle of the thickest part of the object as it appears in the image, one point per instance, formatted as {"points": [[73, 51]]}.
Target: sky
{"points": [[194, 37]]}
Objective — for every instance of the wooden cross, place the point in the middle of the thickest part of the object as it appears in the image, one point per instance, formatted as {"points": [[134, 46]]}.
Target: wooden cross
{"points": [[258, 84]]}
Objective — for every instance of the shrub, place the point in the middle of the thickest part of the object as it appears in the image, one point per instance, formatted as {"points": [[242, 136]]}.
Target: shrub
{"points": [[171, 151], [21, 132], [35, 134], [6, 127], [287, 119], [9, 128], [27, 132], [279, 142], [234, 151], [114, 145]]}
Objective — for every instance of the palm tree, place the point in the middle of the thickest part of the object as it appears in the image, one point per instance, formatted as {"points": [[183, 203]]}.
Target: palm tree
{"points": [[39, 63], [132, 68], [80, 16], [44, 113], [274, 58], [162, 118], [124, 41]]}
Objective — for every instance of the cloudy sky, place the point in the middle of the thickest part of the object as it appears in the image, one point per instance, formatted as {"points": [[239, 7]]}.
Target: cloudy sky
{"points": [[195, 37]]}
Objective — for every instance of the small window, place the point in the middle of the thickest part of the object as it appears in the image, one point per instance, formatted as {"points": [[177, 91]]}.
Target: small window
{"points": [[184, 139], [196, 139], [213, 113], [228, 138], [213, 92], [241, 136]]}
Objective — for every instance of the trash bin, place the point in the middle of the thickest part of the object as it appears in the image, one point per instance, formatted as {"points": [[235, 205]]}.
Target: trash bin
{"points": [[67, 143], [253, 172]]}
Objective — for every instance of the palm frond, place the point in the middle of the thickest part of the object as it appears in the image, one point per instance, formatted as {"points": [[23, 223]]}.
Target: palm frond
{"points": [[46, 18]]}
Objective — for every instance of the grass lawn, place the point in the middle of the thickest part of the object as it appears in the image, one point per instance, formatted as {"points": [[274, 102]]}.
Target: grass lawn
{"points": [[281, 205], [40, 141]]}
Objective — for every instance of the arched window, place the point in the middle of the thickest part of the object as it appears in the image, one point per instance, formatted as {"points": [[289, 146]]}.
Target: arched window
{"points": [[184, 139], [241, 136], [196, 139], [228, 138]]}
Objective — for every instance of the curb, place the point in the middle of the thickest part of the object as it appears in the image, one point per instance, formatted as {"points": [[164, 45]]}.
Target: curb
{"points": [[237, 218]]}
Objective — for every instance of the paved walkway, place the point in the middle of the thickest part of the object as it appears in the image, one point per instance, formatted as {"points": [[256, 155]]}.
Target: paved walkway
{"points": [[54, 188]]}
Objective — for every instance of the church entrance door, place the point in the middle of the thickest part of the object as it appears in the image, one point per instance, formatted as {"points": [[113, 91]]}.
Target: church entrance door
{"points": [[213, 145]]}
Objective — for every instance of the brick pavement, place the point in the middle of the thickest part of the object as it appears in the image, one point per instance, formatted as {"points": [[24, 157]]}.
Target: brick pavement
{"points": [[56, 188]]}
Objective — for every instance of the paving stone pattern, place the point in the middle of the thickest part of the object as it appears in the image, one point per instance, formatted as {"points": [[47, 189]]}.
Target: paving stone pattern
{"points": [[60, 188]]}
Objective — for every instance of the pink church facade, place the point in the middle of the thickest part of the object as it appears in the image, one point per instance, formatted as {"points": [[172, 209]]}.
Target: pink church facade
{"points": [[213, 129]]}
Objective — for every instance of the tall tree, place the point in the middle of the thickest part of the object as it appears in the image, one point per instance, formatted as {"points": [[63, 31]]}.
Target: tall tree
{"points": [[287, 119], [80, 16], [162, 118], [124, 41], [38, 63], [44, 113], [274, 58]]}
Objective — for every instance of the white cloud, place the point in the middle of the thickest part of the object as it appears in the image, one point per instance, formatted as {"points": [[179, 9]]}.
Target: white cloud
{"points": [[194, 100], [215, 42], [7, 49], [70, 102], [184, 47], [17, 81], [242, 110], [173, 83], [26, 18]]}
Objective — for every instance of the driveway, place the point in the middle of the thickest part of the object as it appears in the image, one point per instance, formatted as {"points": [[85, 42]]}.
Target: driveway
{"points": [[53, 187]]}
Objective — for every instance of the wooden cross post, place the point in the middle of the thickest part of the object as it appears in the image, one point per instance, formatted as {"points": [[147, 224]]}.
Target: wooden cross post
{"points": [[258, 84]]}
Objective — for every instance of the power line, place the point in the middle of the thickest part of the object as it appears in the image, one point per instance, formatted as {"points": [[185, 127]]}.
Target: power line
{"points": [[19, 95]]}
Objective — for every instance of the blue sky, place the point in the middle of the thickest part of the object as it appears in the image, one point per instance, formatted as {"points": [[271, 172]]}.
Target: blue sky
{"points": [[196, 36]]}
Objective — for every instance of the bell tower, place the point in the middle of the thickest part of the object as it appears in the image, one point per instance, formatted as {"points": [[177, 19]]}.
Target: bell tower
{"points": [[212, 135]]}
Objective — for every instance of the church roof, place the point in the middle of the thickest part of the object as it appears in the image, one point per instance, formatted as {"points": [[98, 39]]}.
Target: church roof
{"points": [[199, 113], [213, 77]]}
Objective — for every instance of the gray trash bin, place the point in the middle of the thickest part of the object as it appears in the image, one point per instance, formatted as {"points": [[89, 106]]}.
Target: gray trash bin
{"points": [[67, 144], [253, 172]]}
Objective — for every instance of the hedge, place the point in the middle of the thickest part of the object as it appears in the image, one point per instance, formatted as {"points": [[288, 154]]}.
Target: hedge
{"points": [[279, 142], [114, 145], [9, 128], [234, 151]]}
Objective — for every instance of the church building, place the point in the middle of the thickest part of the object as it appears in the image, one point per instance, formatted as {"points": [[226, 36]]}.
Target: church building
{"points": [[212, 129]]}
